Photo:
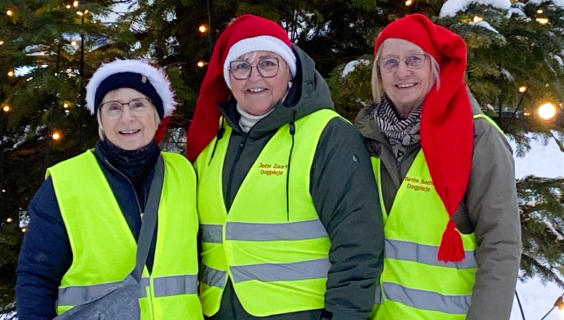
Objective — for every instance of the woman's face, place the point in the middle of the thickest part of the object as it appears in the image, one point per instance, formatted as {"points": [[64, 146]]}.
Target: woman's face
{"points": [[406, 87], [258, 95], [129, 131]]}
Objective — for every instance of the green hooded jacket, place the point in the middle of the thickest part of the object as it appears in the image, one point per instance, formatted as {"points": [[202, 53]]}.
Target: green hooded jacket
{"points": [[344, 193]]}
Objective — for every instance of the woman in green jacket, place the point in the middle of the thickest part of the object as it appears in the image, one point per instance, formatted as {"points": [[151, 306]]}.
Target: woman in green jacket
{"points": [[289, 214]]}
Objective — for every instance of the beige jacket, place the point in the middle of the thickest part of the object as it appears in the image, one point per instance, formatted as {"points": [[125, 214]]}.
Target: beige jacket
{"points": [[489, 209]]}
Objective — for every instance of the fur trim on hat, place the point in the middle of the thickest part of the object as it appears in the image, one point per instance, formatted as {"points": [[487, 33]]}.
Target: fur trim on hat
{"points": [[157, 77], [261, 43]]}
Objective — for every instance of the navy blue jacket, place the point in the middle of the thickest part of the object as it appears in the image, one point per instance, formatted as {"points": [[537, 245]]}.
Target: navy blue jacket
{"points": [[46, 254]]}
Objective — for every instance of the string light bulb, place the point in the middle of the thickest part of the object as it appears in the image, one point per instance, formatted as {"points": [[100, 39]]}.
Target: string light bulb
{"points": [[542, 20], [73, 43], [10, 12], [1, 42], [11, 73], [75, 4], [408, 3], [478, 19], [80, 13], [539, 11], [24, 230], [66, 105], [56, 136], [547, 111], [522, 89], [6, 108], [9, 220], [202, 28], [201, 64]]}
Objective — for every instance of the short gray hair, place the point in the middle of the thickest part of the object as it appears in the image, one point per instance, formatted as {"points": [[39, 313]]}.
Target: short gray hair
{"points": [[378, 90]]}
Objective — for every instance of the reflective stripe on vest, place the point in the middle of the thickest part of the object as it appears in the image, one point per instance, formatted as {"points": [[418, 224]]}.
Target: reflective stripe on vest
{"points": [[411, 251], [167, 286], [104, 248], [414, 283], [427, 300], [277, 259], [264, 232]]}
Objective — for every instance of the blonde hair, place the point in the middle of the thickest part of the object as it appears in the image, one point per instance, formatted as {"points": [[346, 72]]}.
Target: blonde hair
{"points": [[376, 80]]}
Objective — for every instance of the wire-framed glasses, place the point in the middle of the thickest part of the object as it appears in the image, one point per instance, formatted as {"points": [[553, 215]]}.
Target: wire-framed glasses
{"points": [[414, 61], [138, 107], [267, 68]]}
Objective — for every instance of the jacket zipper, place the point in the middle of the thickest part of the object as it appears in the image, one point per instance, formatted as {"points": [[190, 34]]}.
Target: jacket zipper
{"points": [[131, 184], [239, 151]]}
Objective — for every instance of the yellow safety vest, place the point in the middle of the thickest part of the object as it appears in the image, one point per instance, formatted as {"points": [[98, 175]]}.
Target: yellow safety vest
{"points": [[415, 284], [276, 258], [104, 249]]}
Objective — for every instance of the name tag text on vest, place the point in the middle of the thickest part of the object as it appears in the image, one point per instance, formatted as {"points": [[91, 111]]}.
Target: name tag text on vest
{"points": [[419, 184], [272, 169]]}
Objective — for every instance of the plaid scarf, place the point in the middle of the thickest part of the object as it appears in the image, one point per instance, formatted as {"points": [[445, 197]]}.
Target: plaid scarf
{"points": [[403, 134]]}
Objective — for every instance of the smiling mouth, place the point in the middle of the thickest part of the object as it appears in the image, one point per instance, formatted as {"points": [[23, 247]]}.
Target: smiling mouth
{"points": [[256, 90], [405, 86], [129, 132]]}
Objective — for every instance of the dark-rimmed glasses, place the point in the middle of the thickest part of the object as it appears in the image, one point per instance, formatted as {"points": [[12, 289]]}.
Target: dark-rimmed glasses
{"points": [[414, 61], [138, 107], [267, 68]]}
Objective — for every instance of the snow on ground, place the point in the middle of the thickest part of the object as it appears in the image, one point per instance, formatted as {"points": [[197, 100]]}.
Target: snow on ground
{"points": [[536, 298], [451, 7]]}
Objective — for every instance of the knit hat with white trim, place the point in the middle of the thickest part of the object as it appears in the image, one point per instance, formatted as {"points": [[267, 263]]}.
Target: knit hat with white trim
{"points": [[246, 34], [139, 75]]}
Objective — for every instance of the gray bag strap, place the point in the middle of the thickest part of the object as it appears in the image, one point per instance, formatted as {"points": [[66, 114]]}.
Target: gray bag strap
{"points": [[149, 219]]}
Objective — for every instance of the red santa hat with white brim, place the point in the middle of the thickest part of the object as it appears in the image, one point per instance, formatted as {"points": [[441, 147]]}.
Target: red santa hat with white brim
{"points": [[248, 33]]}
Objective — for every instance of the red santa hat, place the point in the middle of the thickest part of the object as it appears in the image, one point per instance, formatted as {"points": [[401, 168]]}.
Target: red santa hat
{"points": [[246, 34], [446, 119]]}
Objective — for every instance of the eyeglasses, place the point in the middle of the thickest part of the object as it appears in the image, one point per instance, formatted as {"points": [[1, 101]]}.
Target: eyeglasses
{"points": [[138, 107], [414, 61], [267, 68]]}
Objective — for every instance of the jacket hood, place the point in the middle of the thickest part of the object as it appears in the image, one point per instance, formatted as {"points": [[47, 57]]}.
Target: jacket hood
{"points": [[309, 93]]}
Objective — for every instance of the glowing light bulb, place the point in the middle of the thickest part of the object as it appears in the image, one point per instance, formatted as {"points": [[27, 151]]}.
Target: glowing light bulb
{"points": [[6, 109], [408, 3], [1, 42], [542, 20], [56, 136], [10, 13], [522, 89], [75, 4], [202, 28], [478, 19], [24, 229], [9, 220], [73, 43], [547, 111], [201, 64], [539, 11], [10, 73]]}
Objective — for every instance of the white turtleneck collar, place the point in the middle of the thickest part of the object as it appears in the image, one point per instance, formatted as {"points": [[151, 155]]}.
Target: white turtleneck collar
{"points": [[247, 120]]}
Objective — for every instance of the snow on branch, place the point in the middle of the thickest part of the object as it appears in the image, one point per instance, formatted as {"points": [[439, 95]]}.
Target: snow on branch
{"points": [[485, 25], [451, 7]]}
